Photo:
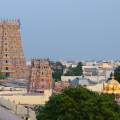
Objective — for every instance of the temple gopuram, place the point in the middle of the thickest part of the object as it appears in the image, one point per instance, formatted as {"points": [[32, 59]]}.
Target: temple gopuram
{"points": [[12, 60], [40, 76]]}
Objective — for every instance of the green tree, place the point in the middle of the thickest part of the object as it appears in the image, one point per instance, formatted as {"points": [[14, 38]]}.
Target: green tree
{"points": [[77, 71], [57, 71], [117, 73], [57, 75], [79, 104]]}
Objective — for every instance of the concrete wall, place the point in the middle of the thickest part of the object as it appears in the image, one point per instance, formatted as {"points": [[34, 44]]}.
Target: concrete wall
{"points": [[30, 99], [17, 109], [96, 88]]}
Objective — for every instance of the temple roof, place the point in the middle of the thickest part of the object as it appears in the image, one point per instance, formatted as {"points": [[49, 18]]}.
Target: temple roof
{"points": [[113, 82], [112, 86]]}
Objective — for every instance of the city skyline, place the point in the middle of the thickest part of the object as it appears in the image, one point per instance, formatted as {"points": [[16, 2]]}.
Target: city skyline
{"points": [[75, 30]]}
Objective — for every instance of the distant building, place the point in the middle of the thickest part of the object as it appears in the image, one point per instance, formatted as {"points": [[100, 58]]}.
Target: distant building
{"points": [[40, 76], [68, 64], [90, 70], [80, 81], [12, 60], [100, 70], [69, 78]]}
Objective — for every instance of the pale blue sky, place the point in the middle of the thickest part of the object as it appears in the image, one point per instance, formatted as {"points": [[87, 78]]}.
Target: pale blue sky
{"points": [[69, 29]]}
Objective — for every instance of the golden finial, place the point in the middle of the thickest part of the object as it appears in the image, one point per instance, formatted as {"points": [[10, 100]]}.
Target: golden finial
{"points": [[113, 76]]}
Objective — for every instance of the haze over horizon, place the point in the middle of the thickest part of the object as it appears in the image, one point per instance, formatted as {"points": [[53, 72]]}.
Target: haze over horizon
{"points": [[67, 29]]}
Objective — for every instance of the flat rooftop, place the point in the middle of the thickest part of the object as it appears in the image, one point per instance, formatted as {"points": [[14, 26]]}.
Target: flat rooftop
{"points": [[14, 83]]}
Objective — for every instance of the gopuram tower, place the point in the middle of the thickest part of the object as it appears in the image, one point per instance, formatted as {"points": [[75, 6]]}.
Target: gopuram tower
{"points": [[40, 76], [12, 61]]}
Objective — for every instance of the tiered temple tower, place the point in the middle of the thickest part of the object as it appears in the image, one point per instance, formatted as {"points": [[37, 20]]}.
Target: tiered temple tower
{"points": [[12, 61], [40, 76]]}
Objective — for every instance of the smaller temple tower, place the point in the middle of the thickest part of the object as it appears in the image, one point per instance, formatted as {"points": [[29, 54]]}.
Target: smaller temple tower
{"points": [[40, 76]]}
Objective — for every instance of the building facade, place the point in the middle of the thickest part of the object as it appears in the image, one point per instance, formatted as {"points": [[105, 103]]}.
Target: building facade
{"points": [[12, 61], [40, 76]]}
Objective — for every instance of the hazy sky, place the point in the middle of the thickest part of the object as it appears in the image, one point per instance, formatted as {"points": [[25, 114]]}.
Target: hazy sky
{"points": [[69, 29]]}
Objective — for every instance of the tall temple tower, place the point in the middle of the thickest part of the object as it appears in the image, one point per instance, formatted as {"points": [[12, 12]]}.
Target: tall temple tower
{"points": [[12, 61], [40, 76]]}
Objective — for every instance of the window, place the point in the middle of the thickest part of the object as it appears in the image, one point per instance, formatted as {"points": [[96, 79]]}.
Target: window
{"points": [[42, 92], [6, 68]]}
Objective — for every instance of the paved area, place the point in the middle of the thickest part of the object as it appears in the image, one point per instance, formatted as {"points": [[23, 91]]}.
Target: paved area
{"points": [[7, 115]]}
